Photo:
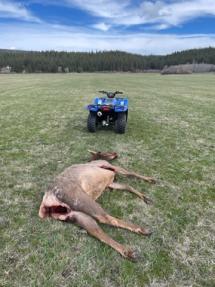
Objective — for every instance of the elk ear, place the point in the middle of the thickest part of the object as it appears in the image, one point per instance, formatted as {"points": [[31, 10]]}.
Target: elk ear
{"points": [[109, 155], [103, 155], [94, 155], [92, 152]]}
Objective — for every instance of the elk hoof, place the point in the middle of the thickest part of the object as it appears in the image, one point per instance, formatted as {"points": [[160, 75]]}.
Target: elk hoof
{"points": [[144, 231], [147, 200], [147, 232], [132, 255], [151, 180]]}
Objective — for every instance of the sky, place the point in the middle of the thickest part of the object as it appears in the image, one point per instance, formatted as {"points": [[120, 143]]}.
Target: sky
{"points": [[137, 26]]}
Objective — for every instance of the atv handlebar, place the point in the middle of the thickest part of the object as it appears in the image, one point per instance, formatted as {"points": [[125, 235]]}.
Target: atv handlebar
{"points": [[111, 94]]}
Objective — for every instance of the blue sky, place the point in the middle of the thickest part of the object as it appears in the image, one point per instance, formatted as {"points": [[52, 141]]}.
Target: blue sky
{"points": [[138, 26]]}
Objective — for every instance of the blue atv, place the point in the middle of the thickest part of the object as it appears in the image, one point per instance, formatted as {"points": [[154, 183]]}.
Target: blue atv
{"points": [[108, 111]]}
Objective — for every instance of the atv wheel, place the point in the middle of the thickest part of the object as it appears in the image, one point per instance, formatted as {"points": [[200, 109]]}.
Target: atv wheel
{"points": [[120, 123], [91, 122]]}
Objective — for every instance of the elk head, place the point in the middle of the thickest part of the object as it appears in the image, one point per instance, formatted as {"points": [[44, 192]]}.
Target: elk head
{"points": [[103, 155]]}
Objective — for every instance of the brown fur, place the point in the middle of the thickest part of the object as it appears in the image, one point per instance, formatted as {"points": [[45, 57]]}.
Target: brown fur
{"points": [[73, 195], [95, 155]]}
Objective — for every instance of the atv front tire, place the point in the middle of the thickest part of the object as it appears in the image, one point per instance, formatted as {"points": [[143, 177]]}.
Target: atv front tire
{"points": [[91, 122], [120, 123]]}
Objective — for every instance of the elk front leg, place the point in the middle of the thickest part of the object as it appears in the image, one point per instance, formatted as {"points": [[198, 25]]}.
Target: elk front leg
{"points": [[89, 224], [120, 186], [123, 171]]}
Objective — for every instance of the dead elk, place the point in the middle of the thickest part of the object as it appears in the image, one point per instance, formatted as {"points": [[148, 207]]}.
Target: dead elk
{"points": [[72, 197]]}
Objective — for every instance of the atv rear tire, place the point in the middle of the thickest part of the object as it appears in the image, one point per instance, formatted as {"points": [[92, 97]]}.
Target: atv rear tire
{"points": [[120, 123], [92, 122]]}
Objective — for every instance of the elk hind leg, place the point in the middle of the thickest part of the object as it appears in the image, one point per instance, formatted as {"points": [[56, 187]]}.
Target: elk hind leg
{"points": [[129, 188], [89, 224], [116, 222], [81, 202]]}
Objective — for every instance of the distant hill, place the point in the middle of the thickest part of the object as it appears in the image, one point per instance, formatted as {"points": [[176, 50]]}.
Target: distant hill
{"points": [[53, 62], [206, 55], [13, 51]]}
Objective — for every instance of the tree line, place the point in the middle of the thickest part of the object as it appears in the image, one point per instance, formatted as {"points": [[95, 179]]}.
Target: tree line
{"points": [[54, 62]]}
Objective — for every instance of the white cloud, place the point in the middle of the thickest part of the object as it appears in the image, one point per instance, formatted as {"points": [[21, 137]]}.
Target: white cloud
{"points": [[159, 14], [47, 37], [160, 27], [101, 8], [9, 9], [101, 26], [179, 12], [124, 12]]}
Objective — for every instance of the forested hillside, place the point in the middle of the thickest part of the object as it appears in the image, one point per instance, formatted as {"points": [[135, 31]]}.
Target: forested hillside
{"points": [[53, 62]]}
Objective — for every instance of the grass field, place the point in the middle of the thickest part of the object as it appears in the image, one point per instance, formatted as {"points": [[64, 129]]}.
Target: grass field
{"points": [[170, 136]]}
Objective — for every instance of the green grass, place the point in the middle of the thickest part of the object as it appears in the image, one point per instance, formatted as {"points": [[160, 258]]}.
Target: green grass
{"points": [[170, 136]]}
